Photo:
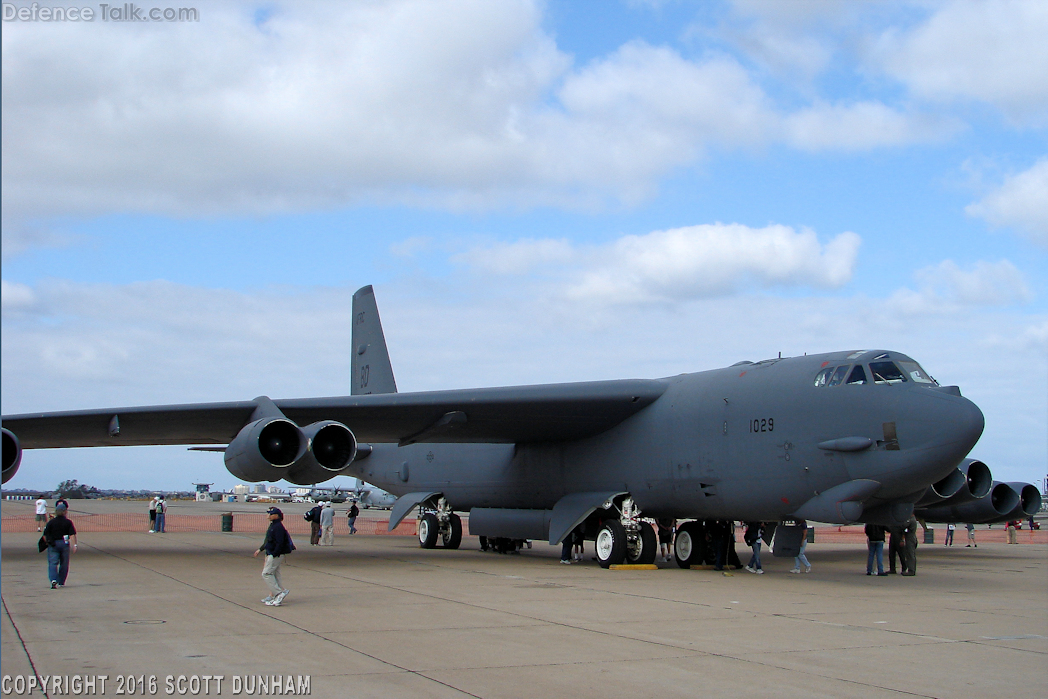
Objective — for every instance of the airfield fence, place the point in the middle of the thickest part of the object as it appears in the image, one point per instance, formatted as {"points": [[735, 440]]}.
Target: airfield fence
{"points": [[174, 523]]}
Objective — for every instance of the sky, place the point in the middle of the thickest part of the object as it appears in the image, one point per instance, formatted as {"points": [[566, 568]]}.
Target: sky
{"points": [[539, 192]]}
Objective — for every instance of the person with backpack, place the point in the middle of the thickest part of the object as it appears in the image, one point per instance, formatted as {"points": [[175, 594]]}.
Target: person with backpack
{"points": [[353, 513], [313, 517], [752, 537], [276, 547], [161, 514]]}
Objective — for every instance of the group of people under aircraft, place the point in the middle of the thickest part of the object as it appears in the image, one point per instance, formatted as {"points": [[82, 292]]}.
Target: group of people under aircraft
{"points": [[59, 539], [321, 518], [902, 544]]}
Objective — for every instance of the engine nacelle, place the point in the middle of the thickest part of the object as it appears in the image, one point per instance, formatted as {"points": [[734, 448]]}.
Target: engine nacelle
{"points": [[970, 481], [1029, 501], [12, 454], [332, 448], [264, 449], [993, 507]]}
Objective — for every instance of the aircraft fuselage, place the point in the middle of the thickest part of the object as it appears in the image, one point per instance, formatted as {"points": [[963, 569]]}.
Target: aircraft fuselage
{"points": [[741, 442]]}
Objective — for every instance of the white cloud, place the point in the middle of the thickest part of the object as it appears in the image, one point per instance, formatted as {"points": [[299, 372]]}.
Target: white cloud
{"points": [[947, 288], [679, 264], [863, 126], [991, 51], [452, 104], [15, 298], [518, 257], [1021, 202]]}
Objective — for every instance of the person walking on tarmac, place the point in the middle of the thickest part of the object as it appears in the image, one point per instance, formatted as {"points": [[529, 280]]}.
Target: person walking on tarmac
{"points": [[276, 547], [971, 536], [909, 564], [60, 537], [801, 559], [352, 515], [313, 517], [752, 537]]}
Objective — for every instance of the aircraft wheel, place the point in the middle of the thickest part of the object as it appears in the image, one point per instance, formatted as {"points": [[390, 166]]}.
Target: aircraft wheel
{"points": [[646, 548], [611, 544], [687, 548], [428, 531], [453, 538]]}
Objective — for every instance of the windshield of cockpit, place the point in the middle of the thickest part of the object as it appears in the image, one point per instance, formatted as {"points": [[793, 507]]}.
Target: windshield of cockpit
{"points": [[880, 370]]}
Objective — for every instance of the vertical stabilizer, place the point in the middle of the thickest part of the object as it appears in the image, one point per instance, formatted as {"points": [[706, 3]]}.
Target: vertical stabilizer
{"points": [[372, 372]]}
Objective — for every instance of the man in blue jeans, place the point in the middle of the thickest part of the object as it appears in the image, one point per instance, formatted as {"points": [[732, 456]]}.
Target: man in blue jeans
{"points": [[875, 548], [60, 535], [161, 514]]}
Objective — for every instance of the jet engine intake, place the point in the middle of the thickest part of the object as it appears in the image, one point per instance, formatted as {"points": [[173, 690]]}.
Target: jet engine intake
{"points": [[264, 449], [972, 479], [993, 507], [1029, 501], [332, 447], [12, 454]]}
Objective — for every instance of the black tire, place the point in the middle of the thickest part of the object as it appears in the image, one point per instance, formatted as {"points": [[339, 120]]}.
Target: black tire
{"points": [[611, 544], [647, 546], [453, 538], [689, 546], [428, 531]]}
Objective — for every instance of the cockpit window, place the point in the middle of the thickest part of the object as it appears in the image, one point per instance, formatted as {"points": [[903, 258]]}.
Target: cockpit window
{"points": [[917, 374], [886, 372], [823, 377], [839, 375], [858, 376]]}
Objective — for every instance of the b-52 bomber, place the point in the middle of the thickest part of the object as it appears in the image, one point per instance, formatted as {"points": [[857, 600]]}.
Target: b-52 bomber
{"points": [[843, 437]]}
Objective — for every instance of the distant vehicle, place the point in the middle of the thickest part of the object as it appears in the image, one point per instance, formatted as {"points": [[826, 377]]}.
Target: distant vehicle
{"points": [[371, 496]]}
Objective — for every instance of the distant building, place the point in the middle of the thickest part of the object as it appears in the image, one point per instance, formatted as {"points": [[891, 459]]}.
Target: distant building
{"points": [[203, 492]]}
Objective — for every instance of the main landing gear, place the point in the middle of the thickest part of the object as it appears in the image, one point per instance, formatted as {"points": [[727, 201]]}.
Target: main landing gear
{"points": [[689, 546], [439, 523], [625, 539]]}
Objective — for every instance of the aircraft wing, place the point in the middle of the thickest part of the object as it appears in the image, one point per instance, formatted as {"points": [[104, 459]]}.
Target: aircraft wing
{"points": [[490, 415]]}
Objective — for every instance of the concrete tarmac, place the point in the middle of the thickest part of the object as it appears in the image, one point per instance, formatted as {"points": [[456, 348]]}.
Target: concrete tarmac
{"points": [[376, 616]]}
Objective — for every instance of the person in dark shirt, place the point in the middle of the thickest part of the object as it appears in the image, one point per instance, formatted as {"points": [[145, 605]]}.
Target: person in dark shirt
{"points": [[276, 547], [60, 535], [896, 539], [909, 566], [875, 548], [352, 515], [313, 517]]}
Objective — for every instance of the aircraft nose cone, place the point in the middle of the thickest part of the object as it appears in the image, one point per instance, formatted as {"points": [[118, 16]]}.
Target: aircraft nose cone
{"points": [[972, 421]]}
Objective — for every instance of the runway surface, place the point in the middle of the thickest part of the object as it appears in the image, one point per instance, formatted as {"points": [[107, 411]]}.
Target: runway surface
{"points": [[375, 616]]}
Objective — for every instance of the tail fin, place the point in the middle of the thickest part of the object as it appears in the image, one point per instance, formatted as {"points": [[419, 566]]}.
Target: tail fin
{"points": [[372, 372]]}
